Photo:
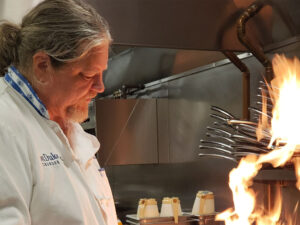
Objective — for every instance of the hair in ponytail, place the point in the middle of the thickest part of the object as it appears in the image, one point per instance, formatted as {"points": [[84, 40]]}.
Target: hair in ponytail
{"points": [[9, 41]]}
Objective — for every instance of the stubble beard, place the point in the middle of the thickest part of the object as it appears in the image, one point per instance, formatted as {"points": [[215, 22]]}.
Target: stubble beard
{"points": [[78, 112]]}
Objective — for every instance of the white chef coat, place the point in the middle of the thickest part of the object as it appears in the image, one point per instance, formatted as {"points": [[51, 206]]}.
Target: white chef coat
{"points": [[45, 179]]}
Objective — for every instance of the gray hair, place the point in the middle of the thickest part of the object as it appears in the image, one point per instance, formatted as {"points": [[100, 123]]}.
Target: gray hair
{"points": [[63, 29]]}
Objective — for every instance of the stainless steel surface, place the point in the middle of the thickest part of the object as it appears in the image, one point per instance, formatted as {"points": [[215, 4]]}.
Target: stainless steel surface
{"points": [[183, 220], [269, 175], [241, 122], [191, 95], [162, 131], [246, 81], [219, 131], [208, 220], [200, 69], [127, 130], [220, 144], [259, 113], [218, 109], [269, 106], [234, 138], [244, 139], [193, 24], [217, 156], [250, 148], [239, 136], [220, 137], [266, 97], [218, 149], [138, 66], [190, 101], [153, 66], [176, 24], [251, 130], [131, 182]]}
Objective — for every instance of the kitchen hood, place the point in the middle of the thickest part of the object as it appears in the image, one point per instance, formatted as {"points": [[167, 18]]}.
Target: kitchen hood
{"points": [[154, 39], [196, 24]]}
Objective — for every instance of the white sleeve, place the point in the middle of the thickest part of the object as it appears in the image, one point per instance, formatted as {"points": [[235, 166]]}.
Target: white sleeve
{"points": [[15, 179]]}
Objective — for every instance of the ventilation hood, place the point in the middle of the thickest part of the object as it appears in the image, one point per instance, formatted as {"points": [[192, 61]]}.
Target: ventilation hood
{"points": [[152, 37], [196, 24]]}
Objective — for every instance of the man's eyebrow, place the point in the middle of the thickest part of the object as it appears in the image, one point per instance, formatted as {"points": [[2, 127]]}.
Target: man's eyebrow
{"points": [[103, 67]]}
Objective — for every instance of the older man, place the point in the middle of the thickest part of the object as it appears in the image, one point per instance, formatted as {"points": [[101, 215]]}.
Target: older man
{"points": [[52, 66]]}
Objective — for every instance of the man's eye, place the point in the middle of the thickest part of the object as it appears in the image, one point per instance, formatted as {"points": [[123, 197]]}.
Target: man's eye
{"points": [[86, 77]]}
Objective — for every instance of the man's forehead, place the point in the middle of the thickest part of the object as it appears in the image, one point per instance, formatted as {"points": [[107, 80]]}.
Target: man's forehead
{"points": [[102, 48], [97, 55]]}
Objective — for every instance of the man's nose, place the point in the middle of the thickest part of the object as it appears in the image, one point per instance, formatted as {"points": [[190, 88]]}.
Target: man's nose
{"points": [[98, 85]]}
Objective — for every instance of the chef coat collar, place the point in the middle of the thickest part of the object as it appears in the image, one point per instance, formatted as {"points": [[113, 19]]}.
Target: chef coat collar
{"points": [[83, 144], [18, 82]]}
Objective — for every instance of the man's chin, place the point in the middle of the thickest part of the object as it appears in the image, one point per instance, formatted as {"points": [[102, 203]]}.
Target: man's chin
{"points": [[77, 113]]}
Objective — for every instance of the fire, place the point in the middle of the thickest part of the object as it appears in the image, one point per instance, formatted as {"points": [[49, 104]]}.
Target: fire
{"points": [[285, 142], [297, 169]]}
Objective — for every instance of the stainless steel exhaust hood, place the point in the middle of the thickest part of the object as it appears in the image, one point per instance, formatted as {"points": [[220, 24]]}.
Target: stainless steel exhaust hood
{"points": [[163, 38], [196, 24]]}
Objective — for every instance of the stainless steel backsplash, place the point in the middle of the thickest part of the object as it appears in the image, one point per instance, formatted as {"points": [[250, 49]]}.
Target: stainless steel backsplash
{"points": [[189, 100]]}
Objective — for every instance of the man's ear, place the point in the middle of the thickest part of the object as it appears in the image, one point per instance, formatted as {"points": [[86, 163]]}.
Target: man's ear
{"points": [[42, 67]]}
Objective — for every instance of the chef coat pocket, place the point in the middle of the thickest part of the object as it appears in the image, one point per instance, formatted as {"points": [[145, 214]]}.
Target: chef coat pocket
{"points": [[98, 182], [105, 183]]}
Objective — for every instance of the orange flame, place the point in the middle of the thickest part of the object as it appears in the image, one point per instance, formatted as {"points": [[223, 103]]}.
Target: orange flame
{"points": [[297, 169], [284, 128]]}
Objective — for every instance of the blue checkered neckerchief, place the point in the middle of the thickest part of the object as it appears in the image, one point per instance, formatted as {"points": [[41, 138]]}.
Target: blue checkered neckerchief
{"points": [[15, 79]]}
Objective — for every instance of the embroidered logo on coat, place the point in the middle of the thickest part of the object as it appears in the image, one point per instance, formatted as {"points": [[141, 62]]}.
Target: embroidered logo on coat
{"points": [[51, 159]]}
